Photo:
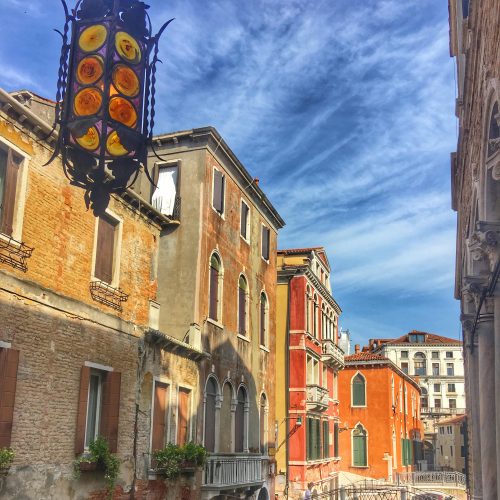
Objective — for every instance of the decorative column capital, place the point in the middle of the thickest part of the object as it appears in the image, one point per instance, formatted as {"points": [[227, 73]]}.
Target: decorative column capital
{"points": [[484, 243]]}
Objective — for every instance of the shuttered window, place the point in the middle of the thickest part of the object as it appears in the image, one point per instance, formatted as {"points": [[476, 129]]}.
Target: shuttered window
{"points": [[265, 242], [10, 163], [359, 455], [242, 305], [313, 438], [215, 268], [160, 413], [263, 319], [211, 395], [105, 249], [336, 440], [183, 416], [218, 191], [239, 421], [358, 391], [9, 360], [326, 439], [244, 221], [98, 408]]}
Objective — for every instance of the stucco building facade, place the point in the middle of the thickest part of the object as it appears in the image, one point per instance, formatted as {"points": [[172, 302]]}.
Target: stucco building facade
{"points": [[451, 444], [475, 176], [308, 361], [380, 431]]}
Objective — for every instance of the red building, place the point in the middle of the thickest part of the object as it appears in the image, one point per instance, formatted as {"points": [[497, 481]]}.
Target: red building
{"points": [[307, 363], [381, 431]]}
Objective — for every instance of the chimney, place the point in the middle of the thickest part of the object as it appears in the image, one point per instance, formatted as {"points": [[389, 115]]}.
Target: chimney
{"points": [[256, 181], [357, 348]]}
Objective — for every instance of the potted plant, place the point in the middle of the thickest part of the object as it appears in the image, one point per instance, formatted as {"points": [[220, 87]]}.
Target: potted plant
{"points": [[6, 459], [99, 457], [174, 460], [194, 455]]}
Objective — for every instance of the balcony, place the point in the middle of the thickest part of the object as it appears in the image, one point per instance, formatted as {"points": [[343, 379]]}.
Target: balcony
{"points": [[332, 354], [441, 411], [317, 397], [233, 471]]}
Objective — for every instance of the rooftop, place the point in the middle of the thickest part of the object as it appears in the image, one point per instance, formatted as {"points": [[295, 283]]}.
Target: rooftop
{"points": [[453, 420]]}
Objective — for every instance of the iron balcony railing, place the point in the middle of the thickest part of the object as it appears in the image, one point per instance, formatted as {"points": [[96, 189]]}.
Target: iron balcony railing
{"points": [[224, 471], [317, 397], [442, 411], [427, 477], [332, 354]]}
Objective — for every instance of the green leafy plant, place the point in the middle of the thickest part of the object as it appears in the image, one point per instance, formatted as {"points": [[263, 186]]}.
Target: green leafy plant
{"points": [[100, 455], [173, 458], [6, 459]]}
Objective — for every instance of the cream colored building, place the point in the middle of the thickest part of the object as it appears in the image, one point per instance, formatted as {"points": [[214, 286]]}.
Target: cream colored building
{"points": [[451, 443]]}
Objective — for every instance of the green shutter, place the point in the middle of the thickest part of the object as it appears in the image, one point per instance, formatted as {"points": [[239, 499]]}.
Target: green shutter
{"points": [[358, 391], [308, 438], [359, 451], [326, 439]]}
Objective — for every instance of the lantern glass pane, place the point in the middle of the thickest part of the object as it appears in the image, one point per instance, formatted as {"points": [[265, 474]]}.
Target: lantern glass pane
{"points": [[92, 38]]}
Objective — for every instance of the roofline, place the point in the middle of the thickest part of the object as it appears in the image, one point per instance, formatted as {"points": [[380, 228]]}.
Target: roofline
{"points": [[221, 143]]}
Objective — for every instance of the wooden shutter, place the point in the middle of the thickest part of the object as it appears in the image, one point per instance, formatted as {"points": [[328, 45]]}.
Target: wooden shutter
{"points": [[159, 416], [105, 250], [110, 409], [262, 319], [239, 422], [9, 192], [9, 360], [242, 311], [183, 416], [326, 439], [358, 391], [265, 242], [81, 417], [218, 197], [336, 440], [244, 220], [214, 293], [211, 394]]}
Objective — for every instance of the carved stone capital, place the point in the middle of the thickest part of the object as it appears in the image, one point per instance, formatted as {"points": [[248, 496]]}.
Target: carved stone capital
{"points": [[483, 244], [467, 323]]}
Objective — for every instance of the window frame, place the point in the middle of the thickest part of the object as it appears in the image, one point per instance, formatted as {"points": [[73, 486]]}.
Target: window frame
{"points": [[223, 194], [190, 408], [262, 229], [117, 248], [366, 465], [220, 288], [248, 225], [448, 366], [168, 414], [159, 165], [365, 391], [20, 191], [266, 320], [246, 332]]}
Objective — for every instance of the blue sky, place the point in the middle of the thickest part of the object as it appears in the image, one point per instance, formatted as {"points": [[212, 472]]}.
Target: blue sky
{"points": [[343, 108]]}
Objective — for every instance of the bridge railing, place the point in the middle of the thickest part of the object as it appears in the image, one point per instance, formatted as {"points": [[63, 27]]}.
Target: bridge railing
{"points": [[432, 477]]}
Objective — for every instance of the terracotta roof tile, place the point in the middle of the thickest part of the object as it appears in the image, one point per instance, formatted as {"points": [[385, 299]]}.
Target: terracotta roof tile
{"points": [[291, 251], [430, 338], [452, 420], [365, 356]]}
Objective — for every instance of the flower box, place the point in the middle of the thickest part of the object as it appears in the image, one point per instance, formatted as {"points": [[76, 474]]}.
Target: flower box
{"points": [[87, 466]]}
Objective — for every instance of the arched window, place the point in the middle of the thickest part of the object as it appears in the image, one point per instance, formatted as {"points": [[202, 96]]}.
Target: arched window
{"points": [[493, 132], [264, 317], [420, 364], [226, 418], [263, 424], [211, 393], [215, 288], [240, 421], [308, 310], [359, 447], [323, 322], [358, 388], [315, 316], [242, 305]]}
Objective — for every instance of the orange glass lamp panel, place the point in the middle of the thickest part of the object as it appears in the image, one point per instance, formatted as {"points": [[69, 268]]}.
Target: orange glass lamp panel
{"points": [[122, 111], [87, 102], [90, 69], [125, 80]]}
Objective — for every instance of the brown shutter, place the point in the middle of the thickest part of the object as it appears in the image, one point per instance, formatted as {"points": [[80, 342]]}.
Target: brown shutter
{"points": [[81, 417], [110, 409], [9, 192], [9, 360], [265, 243], [159, 416], [262, 321], [218, 198], [105, 250], [244, 220], [239, 422], [183, 416], [214, 292], [241, 311]]}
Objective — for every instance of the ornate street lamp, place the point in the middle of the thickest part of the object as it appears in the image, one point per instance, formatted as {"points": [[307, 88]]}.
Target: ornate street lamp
{"points": [[106, 96]]}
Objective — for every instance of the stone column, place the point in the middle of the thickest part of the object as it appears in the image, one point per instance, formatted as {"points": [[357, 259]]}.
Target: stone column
{"points": [[234, 404], [487, 422], [246, 425], [496, 300], [218, 406]]}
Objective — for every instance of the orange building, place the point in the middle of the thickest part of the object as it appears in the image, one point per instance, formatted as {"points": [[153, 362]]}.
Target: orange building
{"points": [[380, 431]]}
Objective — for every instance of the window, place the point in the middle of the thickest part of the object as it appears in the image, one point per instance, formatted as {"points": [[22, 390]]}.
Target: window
{"points": [[324, 378], [312, 376], [9, 360], [183, 420], [450, 370], [218, 191], [242, 305], [449, 429], [435, 355], [335, 439], [264, 315], [265, 241], [493, 133], [437, 403], [313, 439], [308, 310], [416, 338], [441, 430], [435, 369], [419, 363], [239, 421], [159, 437], [106, 262], [263, 424], [404, 368], [424, 401], [215, 287], [245, 221], [462, 451], [10, 163], [451, 388], [98, 407], [358, 386], [165, 195], [404, 354], [211, 393], [315, 316], [437, 387], [393, 396], [359, 449], [326, 439], [449, 354], [452, 403]]}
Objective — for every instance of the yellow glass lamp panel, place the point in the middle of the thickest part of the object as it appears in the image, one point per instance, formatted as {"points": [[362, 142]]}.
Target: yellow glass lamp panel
{"points": [[114, 146], [92, 38], [89, 141], [127, 47]]}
